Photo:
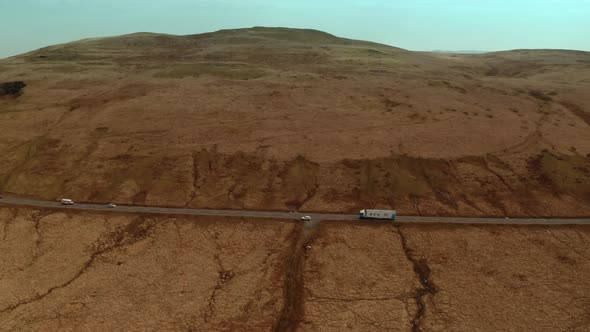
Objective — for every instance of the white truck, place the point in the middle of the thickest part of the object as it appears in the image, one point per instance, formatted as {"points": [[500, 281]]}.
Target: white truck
{"points": [[66, 201], [378, 214]]}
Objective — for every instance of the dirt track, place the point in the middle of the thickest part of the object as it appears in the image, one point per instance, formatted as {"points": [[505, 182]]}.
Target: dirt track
{"points": [[293, 306]]}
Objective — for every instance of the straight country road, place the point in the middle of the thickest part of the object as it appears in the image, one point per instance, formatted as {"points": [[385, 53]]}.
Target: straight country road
{"points": [[13, 201]]}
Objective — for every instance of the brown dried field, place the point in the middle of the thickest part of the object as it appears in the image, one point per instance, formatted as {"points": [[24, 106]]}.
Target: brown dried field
{"points": [[88, 271], [298, 119], [448, 278], [92, 272]]}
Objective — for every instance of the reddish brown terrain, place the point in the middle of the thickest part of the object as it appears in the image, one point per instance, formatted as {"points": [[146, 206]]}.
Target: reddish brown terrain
{"points": [[298, 119], [82, 271]]}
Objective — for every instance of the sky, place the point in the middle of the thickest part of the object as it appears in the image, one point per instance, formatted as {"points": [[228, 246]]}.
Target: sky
{"points": [[421, 25]]}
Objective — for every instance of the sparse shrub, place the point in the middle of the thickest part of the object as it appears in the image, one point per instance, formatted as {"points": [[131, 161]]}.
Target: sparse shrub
{"points": [[12, 88]]}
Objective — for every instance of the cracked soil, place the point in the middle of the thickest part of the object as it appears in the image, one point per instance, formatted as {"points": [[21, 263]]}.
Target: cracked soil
{"points": [[87, 271]]}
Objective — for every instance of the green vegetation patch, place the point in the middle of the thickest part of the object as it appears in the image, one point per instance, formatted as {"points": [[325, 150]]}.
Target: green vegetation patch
{"points": [[228, 71], [563, 173], [61, 55], [306, 36], [65, 69]]}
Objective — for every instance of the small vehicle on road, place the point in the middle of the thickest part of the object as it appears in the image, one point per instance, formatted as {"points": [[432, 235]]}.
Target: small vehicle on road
{"points": [[306, 218], [111, 206], [67, 201]]}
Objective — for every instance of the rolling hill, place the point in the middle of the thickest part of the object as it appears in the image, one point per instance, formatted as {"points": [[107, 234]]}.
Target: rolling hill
{"points": [[277, 118]]}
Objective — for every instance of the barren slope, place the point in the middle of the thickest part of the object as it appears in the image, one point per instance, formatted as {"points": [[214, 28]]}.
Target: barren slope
{"points": [[280, 118], [91, 272], [446, 278], [72, 271]]}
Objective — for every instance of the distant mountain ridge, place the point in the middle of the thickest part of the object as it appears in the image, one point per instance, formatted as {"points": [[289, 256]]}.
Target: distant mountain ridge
{"points": [[461, 52]]}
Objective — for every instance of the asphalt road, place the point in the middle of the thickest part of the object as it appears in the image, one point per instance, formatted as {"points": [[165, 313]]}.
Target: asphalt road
{"points": [[13, 201]]}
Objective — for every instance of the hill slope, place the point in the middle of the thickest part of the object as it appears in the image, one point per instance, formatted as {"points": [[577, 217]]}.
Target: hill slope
{"points": [[275, 118]]}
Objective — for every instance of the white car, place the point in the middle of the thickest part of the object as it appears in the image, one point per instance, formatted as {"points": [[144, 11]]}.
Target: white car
{"points": [[306, 218], [67, 201], [111, 205]]}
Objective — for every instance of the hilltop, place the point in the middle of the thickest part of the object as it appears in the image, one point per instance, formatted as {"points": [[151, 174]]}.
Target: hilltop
{"points": [[277, 118]]}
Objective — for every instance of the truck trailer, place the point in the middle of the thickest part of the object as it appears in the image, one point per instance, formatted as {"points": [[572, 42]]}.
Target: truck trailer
{"points": [[378, 214]]}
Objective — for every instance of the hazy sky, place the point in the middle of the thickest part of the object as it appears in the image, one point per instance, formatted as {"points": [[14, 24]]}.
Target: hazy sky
{"points": [[412, 24]]}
